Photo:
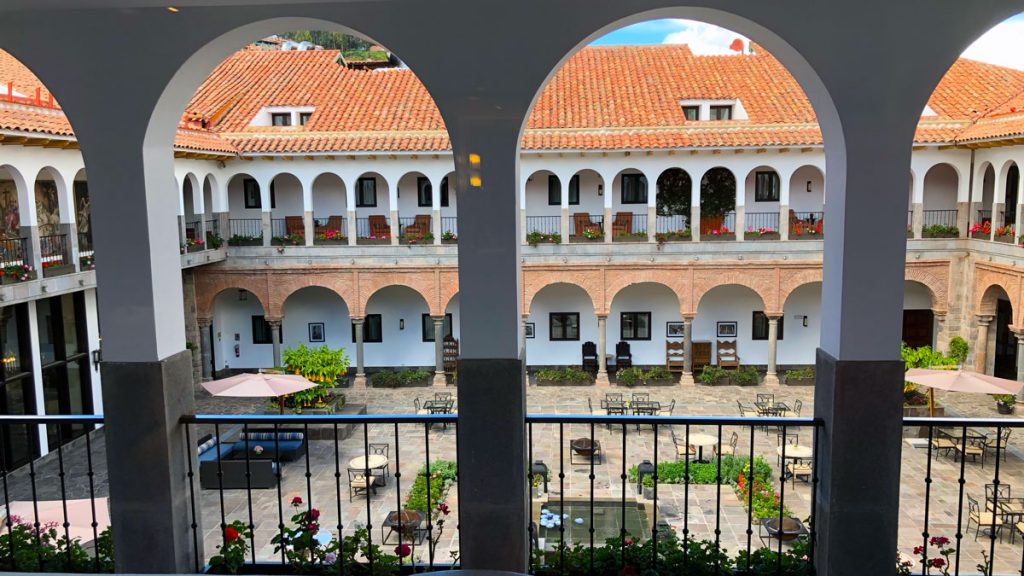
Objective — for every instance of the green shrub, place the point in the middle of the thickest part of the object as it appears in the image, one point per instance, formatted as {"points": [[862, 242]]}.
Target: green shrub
{"points": [[712, 374], [323, 366], [940, 230], [657, 373], [958, 349], [534, 238], [23, 549], [707, 473], [569, 374], [746, 376], [630, 376], [1006, 399], [384, 379], [407, 377], [442, 475], [806, 373]]}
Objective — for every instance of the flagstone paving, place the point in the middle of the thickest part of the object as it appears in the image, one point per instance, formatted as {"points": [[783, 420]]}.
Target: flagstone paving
{"points": [[699, 510]]}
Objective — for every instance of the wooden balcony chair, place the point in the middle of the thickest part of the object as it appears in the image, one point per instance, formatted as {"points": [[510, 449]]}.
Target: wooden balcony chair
{"points": [[450, 354], [729, 448], [294, 226], [682, 450], [420, 226], [582, 223], [802, 470], [590, 360], [727, 356], [982, 520], [623, 357], [358, 482], [379, 227], [675, 356], [622, 224], [333, 225]]}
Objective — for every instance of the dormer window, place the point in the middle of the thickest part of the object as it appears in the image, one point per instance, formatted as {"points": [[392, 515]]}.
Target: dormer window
{"points": [[283, 116], [281, 119], [691, 113], [304, 118], [721, 112]]}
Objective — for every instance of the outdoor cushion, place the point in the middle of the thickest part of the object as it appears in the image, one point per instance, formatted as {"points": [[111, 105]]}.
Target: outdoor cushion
{"points": [[204, 446], [210, 455], [270, 436]]}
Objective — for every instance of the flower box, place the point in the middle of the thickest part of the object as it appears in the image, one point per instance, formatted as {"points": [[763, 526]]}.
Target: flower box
{"points": [[585, 239], [1006, 238], [424, 242], [7, 280], [450, 241], [754, 236], [679, 236], [630, 238], [195, 247], [373, 241], [940, 235], [981, 235], [807, 236], [342, 241], [717, 237], [543, 382], [800, 381], [58, 270], [245, 242]]}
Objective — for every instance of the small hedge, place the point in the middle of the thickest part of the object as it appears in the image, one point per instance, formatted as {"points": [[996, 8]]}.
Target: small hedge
{"points": [[391, 379], [636, 376], [569, 374], [700, 473], [442, 475]]}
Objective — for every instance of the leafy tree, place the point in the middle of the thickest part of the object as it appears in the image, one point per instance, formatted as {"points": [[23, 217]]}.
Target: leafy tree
{"points": [[717, 192], [674, 192]]}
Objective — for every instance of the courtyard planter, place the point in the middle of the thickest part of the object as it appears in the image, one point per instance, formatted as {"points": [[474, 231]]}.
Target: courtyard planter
{"points": [[58, 270], [636, 237], [584, 239], [927, 234], [452, 241], [807, 236], [581, 382], [342, 241], [373, 241], [1004, 408], [981, 235], [245, 242], [800, 381], [717, 237], [195, 248], [754, 236], [1006, 238], [9, 279], [401, 379], [663, 237]]}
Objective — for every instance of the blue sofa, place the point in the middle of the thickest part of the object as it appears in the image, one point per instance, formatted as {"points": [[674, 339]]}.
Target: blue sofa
{"points": [[224, 465]]}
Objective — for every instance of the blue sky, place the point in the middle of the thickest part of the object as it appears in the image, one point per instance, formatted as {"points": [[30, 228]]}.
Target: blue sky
{"points": [[1003, 44]]}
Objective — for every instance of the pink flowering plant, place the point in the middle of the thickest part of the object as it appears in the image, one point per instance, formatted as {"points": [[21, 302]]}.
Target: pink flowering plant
{"points": [[983, 228], [28, 547], [939, 560], [329, 235], [19, 272]]}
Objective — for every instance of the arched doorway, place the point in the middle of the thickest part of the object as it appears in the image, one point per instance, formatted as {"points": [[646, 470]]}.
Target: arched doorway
{"points": [[918, 317], [718, 203]]}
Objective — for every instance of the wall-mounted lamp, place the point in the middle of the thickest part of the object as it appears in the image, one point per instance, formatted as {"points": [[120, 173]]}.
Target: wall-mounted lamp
{"points": [[97, 357], [243, 295], [805, 321], [401, 323], [600, 189], [808, 185]]}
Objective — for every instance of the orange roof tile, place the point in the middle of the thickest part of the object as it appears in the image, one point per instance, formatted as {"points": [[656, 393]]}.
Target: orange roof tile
{"points": [[622, 97]]}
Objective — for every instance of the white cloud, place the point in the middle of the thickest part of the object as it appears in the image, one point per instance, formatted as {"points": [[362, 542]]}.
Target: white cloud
{"points": [[704, 39], [1002, 45]]}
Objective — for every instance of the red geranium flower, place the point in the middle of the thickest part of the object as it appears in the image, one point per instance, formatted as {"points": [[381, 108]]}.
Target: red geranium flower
{"points": [[230, 534], [297, 501], [443, 508], [403, 550], [314, 514]]}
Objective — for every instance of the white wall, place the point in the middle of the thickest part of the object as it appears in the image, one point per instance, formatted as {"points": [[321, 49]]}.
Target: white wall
{"points": [[731, 304], [537, 196], [453, 309], [232, 316], [383, 201], [799, 343], [916, 297], [541, 350], [316, 304], [616, 191], [328, 196], [799, 199], [287, 196], [940, 188], [408, 196], [751, 206], [663, 306], [399, 347], [236, 199]]}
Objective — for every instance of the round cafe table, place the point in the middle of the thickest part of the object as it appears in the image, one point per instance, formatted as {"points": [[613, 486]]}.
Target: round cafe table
{"points": [[700, 441], [796, 452], [376, 461]]}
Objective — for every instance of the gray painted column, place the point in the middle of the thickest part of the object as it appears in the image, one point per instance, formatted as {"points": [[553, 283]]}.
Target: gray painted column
{"points": [[602, 349], [771, 378], [493, 505], [275, 340], [564, 227], [360, 379], [997, 216], [783, 221], [741, 221], [396, 225], [351, 224], [439, 378], [963, 217], [981, 344], [917, 219], [34, 246], [687, 377], [308, 227], [205, 347], [695, 221], [224, 226], [267, 227]]}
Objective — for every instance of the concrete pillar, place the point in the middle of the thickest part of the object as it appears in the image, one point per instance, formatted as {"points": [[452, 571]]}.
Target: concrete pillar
{"points": [[695, 221], [275, 340], [439, 378], [564, 197], [981, 344], [997, 217], [308, 227], [351, 227], [741, 221], [224, 226], [360, 379], [435, 211], [396, 227], [687, 377], [205, 347], [522, 226], [602, 347], [963, 218], [182, 235], [652, 221], [784, 221], [609, 218], [771, 378], [917, 219], [266, 226]]}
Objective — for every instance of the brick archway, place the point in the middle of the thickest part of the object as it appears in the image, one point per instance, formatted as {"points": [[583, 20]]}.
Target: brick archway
{"points": [[422, 283], [934, 276], [283, 289], [764, 282], [676, 280], [591, 281], [209, 286]]}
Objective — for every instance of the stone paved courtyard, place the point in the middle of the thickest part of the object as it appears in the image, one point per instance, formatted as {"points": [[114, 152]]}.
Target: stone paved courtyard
{"points": [[695, 511]]}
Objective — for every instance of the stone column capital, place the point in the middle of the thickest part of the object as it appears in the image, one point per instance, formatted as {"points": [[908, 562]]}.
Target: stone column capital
{"points": [[438, 319], [275, 322], [603, 316], [688, 318], [984, 319], [204, 322], [773, 316], [357, 319]]}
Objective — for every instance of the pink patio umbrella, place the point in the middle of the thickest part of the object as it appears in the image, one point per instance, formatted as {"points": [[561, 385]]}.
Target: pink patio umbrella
{"points": [[959, 381], [258, 386], [80, 515]]}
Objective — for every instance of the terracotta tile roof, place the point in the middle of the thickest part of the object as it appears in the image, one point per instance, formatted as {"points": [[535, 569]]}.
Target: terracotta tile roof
{"points": [[624, 97]]}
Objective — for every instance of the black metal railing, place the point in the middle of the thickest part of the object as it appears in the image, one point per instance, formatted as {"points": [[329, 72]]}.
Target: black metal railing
{"points": [[278, 228], [672, 223], [984, 215], [213, 226], [193, 229], [450, 225], [961, 496], [639, 223], [592, 222], [723, 459], [246, 227], [57, 494], [53, 248], [544, 224], [269, 464], [761, 221], [364, 230], [939, 218], [13, 252], [85, 248], [404, 222]]}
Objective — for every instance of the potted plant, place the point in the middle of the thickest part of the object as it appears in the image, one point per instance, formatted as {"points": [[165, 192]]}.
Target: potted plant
{"points": [[231, 554], [87, 262], [765, 233], [328, 237], [800, 376], [243, 240], [290, 240], [416, 238], [18, 273], [1005, 234], [630, 237], [194, 245], [659, 376], [372, 240], [57, 268], [719, 233], [981, 230], [534, 238], [801, 230], [449, 237], [1004, 403], [940, 231], [630, 377], [676, 236], [214, 241]]}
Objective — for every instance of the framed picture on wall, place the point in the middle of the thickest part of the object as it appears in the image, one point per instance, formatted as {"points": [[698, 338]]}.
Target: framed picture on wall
{"points": [[675, 330], [726, 329], [316, 331], [528, 329]]}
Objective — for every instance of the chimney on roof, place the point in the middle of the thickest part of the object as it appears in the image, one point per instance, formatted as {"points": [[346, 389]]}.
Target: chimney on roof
{"points": [[737, 45]]}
